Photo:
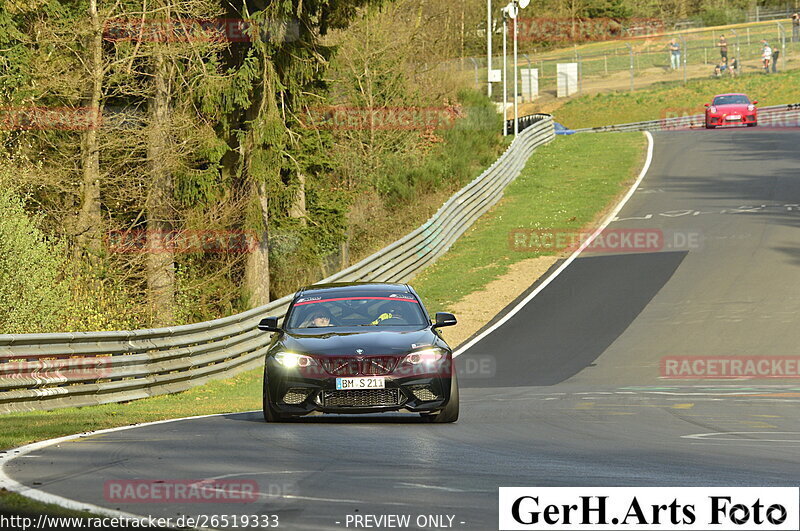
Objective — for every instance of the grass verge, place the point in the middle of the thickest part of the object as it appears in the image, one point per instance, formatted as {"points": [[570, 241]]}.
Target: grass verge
{"points": [[240, 393], [667, 99], [565, 185]]}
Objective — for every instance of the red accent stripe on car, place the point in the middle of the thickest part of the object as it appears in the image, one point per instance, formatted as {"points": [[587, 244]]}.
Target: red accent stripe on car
{"points": [[358, 299]]}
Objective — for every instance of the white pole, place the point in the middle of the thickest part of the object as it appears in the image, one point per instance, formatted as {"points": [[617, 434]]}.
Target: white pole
{"points": [[489, 45], [505, 76], [516, 91]]}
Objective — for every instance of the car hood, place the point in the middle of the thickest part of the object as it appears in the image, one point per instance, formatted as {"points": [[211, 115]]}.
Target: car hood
{"points": [[345, 341], [732, 108]]}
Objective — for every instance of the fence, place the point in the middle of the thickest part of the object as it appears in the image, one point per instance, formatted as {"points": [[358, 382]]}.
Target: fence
{"points": [[630, 63], [48, 371], [787, 115], [759, 13]]}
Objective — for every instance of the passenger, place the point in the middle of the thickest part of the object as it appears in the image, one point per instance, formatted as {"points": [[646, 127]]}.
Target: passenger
{"points": [[395, 312]]}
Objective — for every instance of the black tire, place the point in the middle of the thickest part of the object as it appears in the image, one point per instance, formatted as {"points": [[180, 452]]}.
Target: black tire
{"points": [[709, 126], [270, 414], [450, 411], [752, 125]]}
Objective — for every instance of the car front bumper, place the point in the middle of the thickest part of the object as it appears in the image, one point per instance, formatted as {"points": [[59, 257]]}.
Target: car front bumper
{"points": [[292, 393], [724, 119]]}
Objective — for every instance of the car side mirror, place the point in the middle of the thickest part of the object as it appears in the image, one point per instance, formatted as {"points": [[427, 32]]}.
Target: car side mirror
{"points": [[707, 105], [755, 102], [444, 319], [269, 324]]}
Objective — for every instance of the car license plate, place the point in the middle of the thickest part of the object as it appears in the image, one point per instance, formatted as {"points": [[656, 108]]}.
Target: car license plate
{"points": [[734, 117], [360, 383]]}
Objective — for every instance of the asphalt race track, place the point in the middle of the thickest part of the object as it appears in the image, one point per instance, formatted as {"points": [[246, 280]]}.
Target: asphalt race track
{"points": [[566, 393]]}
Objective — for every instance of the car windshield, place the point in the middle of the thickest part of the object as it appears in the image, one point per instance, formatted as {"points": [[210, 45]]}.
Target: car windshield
{"points": [[339, 310], [731, 99]]}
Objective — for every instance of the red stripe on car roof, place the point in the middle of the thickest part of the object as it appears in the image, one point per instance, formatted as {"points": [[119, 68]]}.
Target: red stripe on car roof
{"points": [[359, 299]]}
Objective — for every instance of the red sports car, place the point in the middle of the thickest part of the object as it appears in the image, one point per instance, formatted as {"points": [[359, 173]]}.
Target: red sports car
{"points": [[729, 109]]}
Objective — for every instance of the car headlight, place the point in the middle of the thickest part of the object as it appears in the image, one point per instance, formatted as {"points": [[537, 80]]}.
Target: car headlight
{"points": [[290, 360], [751, 107], [712, 109], [427, 356]]}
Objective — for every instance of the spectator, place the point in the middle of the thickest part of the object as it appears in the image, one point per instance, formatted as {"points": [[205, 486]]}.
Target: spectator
{"points": [[722, 67], [796, 27], [775, 53], [733, 68], [723, 47], [766, 55], [675, 54]]}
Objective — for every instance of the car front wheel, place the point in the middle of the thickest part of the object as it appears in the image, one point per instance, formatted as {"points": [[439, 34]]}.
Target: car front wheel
{"points": [[270, 413], [450, 412]]}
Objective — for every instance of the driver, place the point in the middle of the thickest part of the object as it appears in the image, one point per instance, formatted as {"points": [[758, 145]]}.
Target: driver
{"points": [[319, 318]]}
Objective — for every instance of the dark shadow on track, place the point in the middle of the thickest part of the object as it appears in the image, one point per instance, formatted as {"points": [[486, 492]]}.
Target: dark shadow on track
{"points": [[570, 323], [381, 418]]}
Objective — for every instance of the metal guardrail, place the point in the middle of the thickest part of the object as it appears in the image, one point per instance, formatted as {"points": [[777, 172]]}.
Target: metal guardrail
{"points": [[787, 115], [524, 121], [49, 371]]}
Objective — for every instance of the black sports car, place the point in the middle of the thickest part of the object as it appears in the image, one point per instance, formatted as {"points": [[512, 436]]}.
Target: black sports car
{"points": [[359, 348]]}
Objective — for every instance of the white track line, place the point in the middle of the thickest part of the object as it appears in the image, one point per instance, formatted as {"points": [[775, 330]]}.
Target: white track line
{"points": [[12, 485], [460, 350]]}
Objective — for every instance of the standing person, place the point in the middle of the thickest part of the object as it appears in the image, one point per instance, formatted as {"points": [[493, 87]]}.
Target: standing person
{"points": [[723, 47], [675, 54], [795, 27], [766, 55], [775, 53]]}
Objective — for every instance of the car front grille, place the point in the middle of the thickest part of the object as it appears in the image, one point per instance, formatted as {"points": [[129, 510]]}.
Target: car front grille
{"points": [[296, 395], [424, 393], [352, 366], [362, 398]]}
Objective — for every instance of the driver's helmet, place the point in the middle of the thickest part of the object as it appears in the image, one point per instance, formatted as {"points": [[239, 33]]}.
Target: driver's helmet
{"points": [[396, 310]]}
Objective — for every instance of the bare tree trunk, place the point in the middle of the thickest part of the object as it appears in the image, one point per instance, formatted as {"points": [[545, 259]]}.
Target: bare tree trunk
{"points": [[160, 255], [89, 217], [257, 267], [256, 273], [298, 208]]}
